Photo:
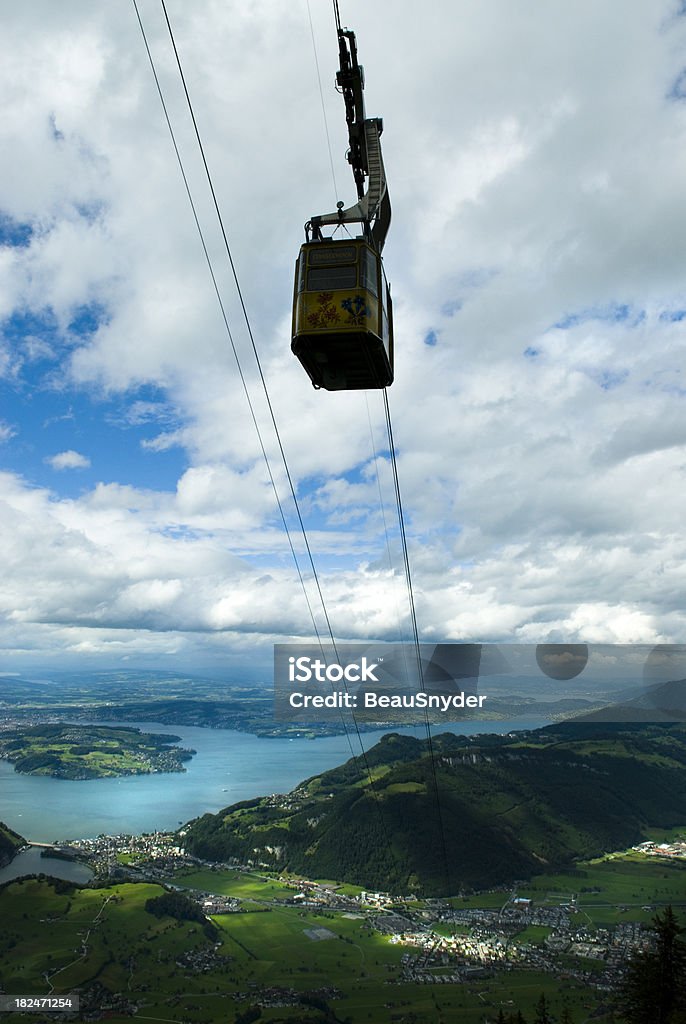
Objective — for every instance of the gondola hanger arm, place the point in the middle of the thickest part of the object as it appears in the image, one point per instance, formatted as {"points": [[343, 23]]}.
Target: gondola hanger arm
{"points": [[373, 207]]}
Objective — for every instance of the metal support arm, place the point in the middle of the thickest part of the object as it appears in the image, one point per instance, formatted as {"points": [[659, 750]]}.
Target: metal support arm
{"points": [[373, 208]]}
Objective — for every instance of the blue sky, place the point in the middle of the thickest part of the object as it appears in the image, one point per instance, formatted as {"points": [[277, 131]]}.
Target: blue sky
{"points": [[45, 415], [536, 258]]}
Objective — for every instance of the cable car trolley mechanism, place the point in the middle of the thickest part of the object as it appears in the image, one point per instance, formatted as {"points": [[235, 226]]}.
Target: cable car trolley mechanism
{"points": [[342, 315]]}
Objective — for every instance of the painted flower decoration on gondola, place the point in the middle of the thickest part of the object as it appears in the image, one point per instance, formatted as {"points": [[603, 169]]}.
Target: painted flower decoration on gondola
{"points": [[357, 307], [326, 315]]}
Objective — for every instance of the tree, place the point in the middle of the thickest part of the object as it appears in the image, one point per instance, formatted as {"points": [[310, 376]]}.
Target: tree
{"points": [[542, 1015], [566, 1017], [248, 1016], [654, 989]]}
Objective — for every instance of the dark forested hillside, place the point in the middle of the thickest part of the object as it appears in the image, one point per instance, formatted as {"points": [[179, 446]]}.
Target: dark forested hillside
{"points": [[509, 807], [10, 842]]}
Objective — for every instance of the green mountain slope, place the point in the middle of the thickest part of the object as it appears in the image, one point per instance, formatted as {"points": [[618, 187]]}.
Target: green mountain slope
{"points": [[10, 842], [509, 807]]}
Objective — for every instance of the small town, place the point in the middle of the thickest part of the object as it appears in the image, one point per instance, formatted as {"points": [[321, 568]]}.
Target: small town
{"points": [[444, 944]]}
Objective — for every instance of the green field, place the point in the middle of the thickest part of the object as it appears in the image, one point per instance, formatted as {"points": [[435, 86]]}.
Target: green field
{"points": [[131, 952], [102, 940], [242, 884], [616, 889], [487, 900]]}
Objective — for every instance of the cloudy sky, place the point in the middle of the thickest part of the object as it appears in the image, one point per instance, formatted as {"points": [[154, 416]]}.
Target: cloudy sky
{"points": [[536, 159]]}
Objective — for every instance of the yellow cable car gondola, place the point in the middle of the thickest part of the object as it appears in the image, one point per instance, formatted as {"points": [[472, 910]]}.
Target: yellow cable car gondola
{"points": [[342, 316], [342, 329]]}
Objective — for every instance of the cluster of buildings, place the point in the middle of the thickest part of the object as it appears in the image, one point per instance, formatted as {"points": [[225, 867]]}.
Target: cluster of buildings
{"points": [[279, 996], [203, 961], [156, 854], [489, 941], [673, 850], [485, 939]]}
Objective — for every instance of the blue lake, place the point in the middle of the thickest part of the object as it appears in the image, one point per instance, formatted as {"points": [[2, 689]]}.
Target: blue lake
{"points": [[30, 862], [229, 766]]}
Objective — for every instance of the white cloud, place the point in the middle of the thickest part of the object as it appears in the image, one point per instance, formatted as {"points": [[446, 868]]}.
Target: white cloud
{"points": [[69, 460], [535, 162], [164, 441]]}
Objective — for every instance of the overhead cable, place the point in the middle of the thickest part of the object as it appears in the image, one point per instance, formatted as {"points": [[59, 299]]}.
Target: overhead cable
{"points": [[281, 449], [239, 291], [321, 97], [225, 320], [415, 631]]}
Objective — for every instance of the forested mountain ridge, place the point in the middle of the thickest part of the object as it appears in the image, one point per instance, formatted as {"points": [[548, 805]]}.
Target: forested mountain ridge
{"points": [[509, 807], [10, 841]]}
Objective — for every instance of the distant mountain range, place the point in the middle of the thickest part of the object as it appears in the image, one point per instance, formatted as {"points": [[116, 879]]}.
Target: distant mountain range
{"points": [[661, 702], [485, 810]]}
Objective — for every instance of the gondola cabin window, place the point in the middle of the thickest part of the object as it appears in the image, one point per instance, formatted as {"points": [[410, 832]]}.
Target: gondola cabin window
{"points": [[332, 268], [369, 271]]}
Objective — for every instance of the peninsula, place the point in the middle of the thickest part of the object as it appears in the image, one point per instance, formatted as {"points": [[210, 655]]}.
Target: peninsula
{"points": [[67, 751]]}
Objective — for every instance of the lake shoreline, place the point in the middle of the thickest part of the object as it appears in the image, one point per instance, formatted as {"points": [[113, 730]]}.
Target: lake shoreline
{"points": [[31, 860], [229, 766]]}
